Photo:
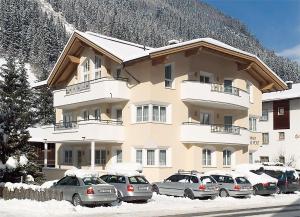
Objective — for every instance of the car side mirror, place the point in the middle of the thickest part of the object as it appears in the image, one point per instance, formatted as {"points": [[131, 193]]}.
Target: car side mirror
{"points": [[54, 183], [165, 180]]}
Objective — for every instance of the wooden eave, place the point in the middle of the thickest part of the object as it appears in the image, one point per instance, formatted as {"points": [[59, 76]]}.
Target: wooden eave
{"points": [[263, 74], [64, 60]]}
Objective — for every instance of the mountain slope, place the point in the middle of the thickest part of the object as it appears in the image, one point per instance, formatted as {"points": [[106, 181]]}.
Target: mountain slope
{"points": [[155, 22]]}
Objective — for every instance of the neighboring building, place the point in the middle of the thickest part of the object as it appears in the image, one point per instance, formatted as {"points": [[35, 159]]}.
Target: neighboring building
{"points": [[189, 105], [280, 127]]}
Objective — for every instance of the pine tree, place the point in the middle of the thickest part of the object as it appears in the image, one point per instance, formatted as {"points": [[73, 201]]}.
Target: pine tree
{"points": [[16, 118]]}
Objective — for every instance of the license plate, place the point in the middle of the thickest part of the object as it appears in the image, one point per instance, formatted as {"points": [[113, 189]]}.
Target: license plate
{"points": [[143, 188], [272, 184], [104, 191]]}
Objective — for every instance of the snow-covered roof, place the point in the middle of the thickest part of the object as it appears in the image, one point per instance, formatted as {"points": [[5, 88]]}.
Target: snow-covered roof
{"points": [[124, 50], [294, 92], [81, 173]]}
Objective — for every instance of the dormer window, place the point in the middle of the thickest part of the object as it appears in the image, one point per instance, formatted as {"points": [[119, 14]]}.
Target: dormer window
{"points": [[86, 69], [97, 67]]}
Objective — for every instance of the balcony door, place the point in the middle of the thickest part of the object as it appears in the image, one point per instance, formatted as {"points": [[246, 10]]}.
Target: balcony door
{"points": [[228, 123], [206, 77], [228, 86]]}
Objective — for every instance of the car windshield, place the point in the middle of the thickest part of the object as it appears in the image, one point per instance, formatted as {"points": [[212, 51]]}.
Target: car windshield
{"points": [[92, 181], [207, 180], [241, 180], [137, 180]]}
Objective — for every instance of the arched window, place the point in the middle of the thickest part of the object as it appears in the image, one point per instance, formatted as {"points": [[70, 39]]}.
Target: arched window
{"points": [[227, 157], [206, 157]]}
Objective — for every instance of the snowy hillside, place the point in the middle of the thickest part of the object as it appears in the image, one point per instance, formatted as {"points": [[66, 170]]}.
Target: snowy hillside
{"points": [[31, 77]]}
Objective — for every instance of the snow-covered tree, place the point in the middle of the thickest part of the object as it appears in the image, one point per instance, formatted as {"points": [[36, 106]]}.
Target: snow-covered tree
{"points": [[15, 118]]}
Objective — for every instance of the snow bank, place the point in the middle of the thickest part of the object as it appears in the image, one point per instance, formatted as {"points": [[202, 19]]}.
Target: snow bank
{"points": [[29, 178], [11, 163], [125, 169], [12, 186], [82, 173]]}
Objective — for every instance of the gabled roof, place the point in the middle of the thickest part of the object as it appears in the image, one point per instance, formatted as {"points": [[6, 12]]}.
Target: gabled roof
{"points": [[292, 93], [125, 52]]}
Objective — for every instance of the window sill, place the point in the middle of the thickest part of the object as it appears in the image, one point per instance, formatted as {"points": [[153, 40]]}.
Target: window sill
{"points": [[227, 166], [206, 166]]}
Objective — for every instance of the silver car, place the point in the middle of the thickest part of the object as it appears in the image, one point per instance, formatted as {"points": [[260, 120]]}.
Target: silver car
{"points": [[86, 190], [130, 188], [191, 184], [233, 186]]}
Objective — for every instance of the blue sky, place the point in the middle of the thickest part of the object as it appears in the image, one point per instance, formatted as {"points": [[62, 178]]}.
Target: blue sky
{"points": [[275, 23]]}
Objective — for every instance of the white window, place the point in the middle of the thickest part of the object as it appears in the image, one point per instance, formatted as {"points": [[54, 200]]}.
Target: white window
{"points": [[226, 157], [206, 157], [265, 116], [250, 91], [168, 76], [252, 124], [280, 110], [139, 156], [150, 157], [142, 113], [97, 114], [86, 69], [97, 67], [264, 159], [250, 157], [265, 138], [205, 118], [100, 157], [159, 113], [281, 136], [119, 156], [205, 79], [162, 157], [68, 159]]}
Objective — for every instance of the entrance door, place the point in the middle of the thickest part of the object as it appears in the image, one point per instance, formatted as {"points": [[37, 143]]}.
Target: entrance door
{"points": [[228, 124], [228, 86]]}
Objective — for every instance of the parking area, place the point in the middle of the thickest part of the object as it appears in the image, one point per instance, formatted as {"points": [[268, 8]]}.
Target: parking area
{"points": [[159, 205]]}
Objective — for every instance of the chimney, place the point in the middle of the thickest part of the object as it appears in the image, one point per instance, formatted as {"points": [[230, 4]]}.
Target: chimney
{"points": [[173, 41], [289, 84]]}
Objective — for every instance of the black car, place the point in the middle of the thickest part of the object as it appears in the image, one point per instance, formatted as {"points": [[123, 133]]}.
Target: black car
{"points": [[288, 178]]}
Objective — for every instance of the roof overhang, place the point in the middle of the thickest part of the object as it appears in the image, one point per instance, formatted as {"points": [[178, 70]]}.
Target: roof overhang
{"points": [[71, 51], [267, 79]]}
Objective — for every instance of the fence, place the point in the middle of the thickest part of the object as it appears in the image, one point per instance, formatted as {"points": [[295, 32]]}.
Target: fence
{"points": [[31, 194]]}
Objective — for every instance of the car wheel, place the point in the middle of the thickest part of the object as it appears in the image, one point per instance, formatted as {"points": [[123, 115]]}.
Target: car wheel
{"points": [[76, 201], [119, 198], [189, 194], [255, 190], [223, 193], [155, 189], [278, 191], [213, 197]]}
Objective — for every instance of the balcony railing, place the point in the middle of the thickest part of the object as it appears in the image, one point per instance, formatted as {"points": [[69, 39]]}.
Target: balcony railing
{"points": [[74, 124], [225, 89], [219, 128], [76, 88]]}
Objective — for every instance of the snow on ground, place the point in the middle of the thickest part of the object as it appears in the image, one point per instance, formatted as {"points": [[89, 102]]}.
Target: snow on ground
{"points": [[47, 8], [159, 205]]}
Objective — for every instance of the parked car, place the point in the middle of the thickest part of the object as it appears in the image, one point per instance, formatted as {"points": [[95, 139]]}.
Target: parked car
{"points": [[87, 190], [262, 183], [130, 188], [288, 178], [191, 184], [232, 184]]}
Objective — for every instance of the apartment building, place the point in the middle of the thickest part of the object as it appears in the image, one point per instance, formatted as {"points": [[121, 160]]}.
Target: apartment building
{"points": [[188, 105], [280, 127]]}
